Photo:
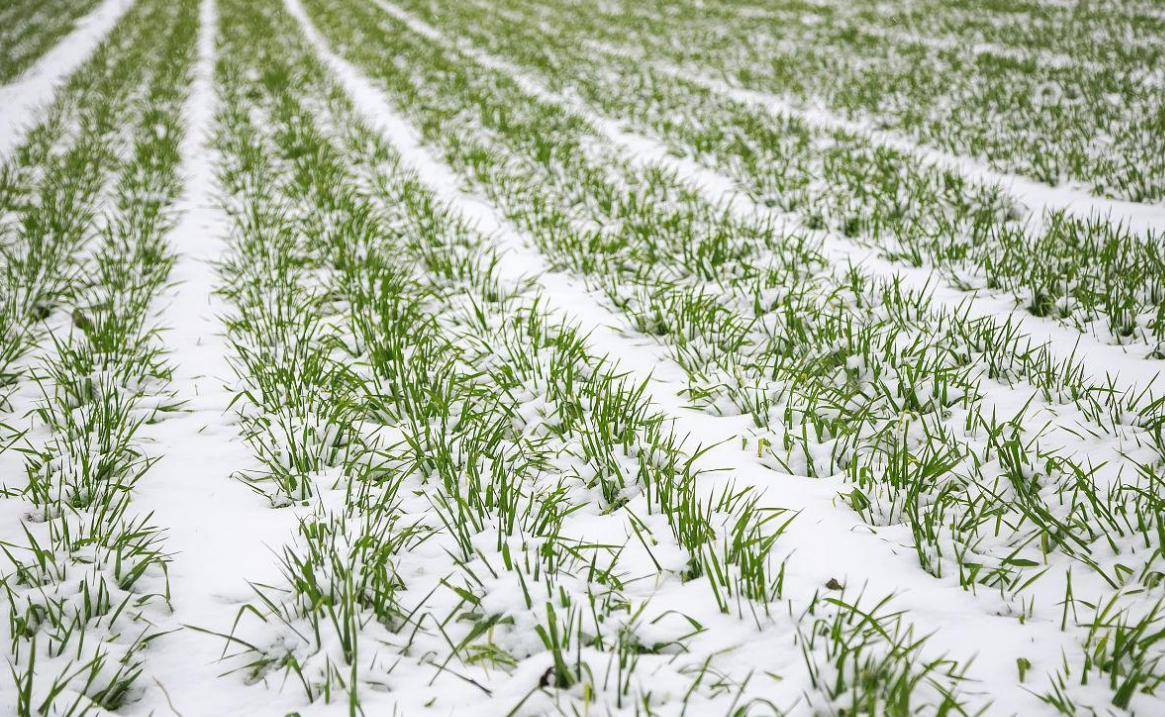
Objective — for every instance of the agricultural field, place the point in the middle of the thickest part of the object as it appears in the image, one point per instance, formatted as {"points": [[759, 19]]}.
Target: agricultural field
{"points": [[582, 357]]}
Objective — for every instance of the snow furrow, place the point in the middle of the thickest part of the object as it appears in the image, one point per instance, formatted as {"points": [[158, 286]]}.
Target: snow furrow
{"points": [[829, 541], [220, 533], [21, 102]]}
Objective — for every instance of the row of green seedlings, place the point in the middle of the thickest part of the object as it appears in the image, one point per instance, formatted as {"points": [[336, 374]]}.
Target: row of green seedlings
{"points": [[300, 409], [85, 585], [1054, 124], [52, 186], [591, 252], [484, 462], [30, 28], [1087, 273]]}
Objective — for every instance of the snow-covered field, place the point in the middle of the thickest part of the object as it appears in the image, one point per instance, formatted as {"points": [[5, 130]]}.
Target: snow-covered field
{"points": [[582, 357]]}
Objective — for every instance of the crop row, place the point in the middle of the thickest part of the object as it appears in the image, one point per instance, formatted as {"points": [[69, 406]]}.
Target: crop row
{"points": [[88, 199]]}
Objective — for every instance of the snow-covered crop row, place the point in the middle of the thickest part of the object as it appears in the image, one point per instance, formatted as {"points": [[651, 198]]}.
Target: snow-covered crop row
{"points": [[88, 200], [572, 357]]}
